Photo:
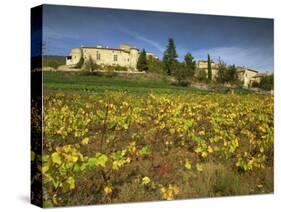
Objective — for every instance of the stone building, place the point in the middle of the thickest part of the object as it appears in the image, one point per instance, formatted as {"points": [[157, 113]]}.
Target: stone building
{"points": [[245, 75], [125, 55], [203, 65], [248, 76]]}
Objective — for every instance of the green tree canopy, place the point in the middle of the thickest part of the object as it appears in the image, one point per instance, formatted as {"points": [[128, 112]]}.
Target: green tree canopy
{"points": [[190, 64], [221, 71], [231, 74], [170, 56], [226, 73], [180, 72], [142, 61], [201, 75], [267, 82], [90, 65], [155, 65]]}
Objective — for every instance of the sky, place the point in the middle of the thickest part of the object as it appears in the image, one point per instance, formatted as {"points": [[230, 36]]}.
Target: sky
{"points": [[236, 40]]}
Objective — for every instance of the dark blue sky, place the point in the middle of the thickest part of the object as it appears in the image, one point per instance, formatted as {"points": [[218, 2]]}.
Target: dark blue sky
{"points": [[237, 40]]}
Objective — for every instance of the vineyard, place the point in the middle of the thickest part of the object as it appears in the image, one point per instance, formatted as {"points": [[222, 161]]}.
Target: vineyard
{"points": [[119, 146]]}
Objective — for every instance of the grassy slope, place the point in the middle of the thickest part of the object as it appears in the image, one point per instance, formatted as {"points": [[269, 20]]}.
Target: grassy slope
{"points": [[76, 81]]}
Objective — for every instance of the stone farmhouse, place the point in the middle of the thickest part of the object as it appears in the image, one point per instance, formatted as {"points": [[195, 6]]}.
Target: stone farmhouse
{"points": [[125, 55], [203, 65], [246, 75]]}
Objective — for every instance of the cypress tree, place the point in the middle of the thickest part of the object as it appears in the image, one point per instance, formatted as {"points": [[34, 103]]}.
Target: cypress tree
{"points": [[170, 56], [209, 69]]}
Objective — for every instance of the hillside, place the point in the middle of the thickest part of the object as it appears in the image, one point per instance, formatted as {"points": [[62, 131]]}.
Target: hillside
{"points": [[53, 61]]}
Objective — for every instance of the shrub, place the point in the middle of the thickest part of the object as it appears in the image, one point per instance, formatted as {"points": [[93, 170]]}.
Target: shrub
{"points": [[201, 75], [108, 68], [120, 68], [115, 68], [255, 84], [267, 82], [90, 65], [180, 72], [155, 65], [226, 74]]}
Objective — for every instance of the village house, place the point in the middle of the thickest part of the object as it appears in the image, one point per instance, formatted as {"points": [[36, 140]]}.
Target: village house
{"points": [[248, 76], [245, 75], [203, 65], [125, 55]]}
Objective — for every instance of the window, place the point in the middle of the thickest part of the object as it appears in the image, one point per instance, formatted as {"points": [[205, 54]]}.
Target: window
{"points": [[115, 57], [69, 57]]}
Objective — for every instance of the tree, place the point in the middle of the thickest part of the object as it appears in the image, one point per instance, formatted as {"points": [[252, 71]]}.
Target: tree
{"points": [[201, 75], [90, 65], [155, 65], [180, 72], [221, 71], [226, 74], [142, 62], [170, 56], [190, 64], [209, 69], [267, 82], [231, 74]]}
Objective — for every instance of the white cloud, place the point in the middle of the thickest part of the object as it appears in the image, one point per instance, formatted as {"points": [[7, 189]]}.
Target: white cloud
{"points": [[143, 38]]}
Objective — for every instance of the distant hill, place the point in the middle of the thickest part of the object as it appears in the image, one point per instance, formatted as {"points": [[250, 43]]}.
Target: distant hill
{"points": [[53, 61]]}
